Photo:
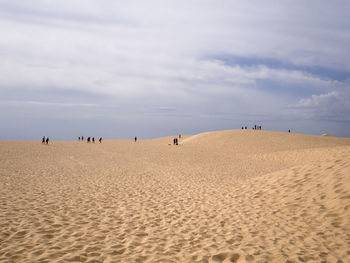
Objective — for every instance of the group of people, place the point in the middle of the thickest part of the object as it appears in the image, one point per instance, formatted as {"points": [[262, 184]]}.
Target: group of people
{"points": [[255, 127], [45, 140], [176, 140], [89, 139]]}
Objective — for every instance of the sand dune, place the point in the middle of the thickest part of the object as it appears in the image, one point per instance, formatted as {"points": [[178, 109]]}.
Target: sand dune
{"points": [[226, 196]]}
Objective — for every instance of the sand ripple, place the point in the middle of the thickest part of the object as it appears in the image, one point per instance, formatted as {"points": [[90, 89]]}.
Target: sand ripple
{"points": [[150, 202]]}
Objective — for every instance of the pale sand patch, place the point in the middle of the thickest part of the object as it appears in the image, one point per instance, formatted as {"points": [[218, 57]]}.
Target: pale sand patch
{"points": [[228, 196]]}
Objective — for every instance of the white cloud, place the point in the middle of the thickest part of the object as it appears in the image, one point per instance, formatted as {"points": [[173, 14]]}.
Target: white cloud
{"points": [[320, 100], [331, 106]]}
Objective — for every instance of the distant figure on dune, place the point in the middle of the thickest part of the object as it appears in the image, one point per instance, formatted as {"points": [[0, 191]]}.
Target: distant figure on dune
{"points": [[179, 136], [82, 138], [43, 140], [174, 141], [47, 140], [135, 139], [88, 140], [242, 128], [93, 139], [289, 131], [78, 138], [100, 140], [245, 127]]}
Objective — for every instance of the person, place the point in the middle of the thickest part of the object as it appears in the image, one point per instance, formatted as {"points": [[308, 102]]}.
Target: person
{"points": [[242, 128], [93, 139], [43, 140], [177, 142], [289, 131], [100, 140], [174, 141], [88, 140], [135, 139], [82, 138], [47, 140], [245, 127], [179, 136], [79, 139]]}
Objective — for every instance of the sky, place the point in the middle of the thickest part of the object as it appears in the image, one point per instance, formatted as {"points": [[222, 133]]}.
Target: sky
{"points": [[119, 69]]}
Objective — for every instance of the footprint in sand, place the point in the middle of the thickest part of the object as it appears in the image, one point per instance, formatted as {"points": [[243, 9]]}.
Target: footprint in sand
{"points": [[232, 257]]}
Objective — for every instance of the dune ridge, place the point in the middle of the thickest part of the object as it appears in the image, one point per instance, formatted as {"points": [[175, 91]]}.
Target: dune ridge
{"points": [[226, 196]]}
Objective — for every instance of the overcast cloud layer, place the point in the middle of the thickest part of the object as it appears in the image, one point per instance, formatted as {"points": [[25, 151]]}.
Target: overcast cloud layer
{"points": [[154, 68]]}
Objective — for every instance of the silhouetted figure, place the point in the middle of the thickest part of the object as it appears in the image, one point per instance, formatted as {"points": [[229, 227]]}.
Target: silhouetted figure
{"points": [[47, 140], [88, 140], [135, 139], [43, 140], [79, 139], [254, 127], [93, 139], [176, 141], [289, 131], [245, 127], [82, 138], [179, 136], [242, 128], [100, 140]]}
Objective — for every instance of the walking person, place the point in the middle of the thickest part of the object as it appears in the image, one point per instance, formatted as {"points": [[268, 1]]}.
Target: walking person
{"points": [[93, 139], [43, 140], [47, 140], [100, 140], [135, 139]]}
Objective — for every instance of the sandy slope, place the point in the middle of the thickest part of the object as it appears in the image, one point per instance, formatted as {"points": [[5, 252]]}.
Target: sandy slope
{"points": [[228, 196]]}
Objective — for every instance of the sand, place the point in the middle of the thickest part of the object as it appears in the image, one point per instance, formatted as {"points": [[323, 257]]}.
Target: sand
{"points": [[226, 196]]}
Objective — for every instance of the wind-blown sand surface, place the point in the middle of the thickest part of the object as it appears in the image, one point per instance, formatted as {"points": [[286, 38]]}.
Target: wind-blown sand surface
{"points": [[228, 196]]}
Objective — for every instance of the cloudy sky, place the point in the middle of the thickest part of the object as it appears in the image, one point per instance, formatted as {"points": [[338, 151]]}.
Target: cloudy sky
{"points": [[117, 69]]}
